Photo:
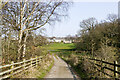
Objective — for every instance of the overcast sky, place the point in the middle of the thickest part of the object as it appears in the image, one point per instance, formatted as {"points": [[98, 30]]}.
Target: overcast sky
{"points": [[78, 12]]}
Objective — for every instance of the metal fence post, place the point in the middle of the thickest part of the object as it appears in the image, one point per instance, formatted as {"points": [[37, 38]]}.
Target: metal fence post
{"points": [[12, 68]]}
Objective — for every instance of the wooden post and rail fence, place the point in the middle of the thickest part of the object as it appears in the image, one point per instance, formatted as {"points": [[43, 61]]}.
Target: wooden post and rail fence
{"points": [[7, 71], [15, 68], [101, 64]]}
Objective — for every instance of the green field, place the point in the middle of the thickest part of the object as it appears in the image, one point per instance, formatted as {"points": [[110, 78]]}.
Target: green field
{"points": [[56, 47]]}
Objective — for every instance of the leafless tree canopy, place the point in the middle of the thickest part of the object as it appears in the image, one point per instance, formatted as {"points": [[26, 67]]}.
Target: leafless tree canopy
{"points": [[19, 19]]}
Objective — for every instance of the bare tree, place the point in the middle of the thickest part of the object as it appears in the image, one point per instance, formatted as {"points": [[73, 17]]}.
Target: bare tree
{"points": [[23, 17], [88, 27], [88, 24], [112, 17]]}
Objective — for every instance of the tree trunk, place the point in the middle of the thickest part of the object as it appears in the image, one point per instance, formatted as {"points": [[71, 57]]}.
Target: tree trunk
{"points": [[20, 45], [24, 44], [0, 34], [8, 54], [20, 34], [92, 48]]}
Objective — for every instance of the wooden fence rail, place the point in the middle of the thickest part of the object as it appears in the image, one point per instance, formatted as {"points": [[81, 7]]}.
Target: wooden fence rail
{"points": [[14, 68], [103, 67]]}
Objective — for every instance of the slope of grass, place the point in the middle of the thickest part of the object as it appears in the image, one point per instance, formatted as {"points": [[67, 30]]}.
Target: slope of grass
{"points": [[55, 46], [45, 71]]}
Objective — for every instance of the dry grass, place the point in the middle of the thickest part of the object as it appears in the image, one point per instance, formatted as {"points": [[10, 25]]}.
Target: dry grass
{"points": [[37, 72]]}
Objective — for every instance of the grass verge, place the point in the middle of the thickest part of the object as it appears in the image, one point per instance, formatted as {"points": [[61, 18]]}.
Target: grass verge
{"points": [[77, 68], [45, 71]]}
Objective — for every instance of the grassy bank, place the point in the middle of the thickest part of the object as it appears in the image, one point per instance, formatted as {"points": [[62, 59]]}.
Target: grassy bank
{"points": [[45, 71], [56, 47]]}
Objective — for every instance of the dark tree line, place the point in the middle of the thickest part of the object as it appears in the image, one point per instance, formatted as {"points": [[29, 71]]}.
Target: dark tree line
{"points": [[100, 39]]}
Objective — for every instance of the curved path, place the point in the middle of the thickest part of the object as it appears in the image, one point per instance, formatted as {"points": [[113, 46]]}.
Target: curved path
{"points": [[60, 70]]}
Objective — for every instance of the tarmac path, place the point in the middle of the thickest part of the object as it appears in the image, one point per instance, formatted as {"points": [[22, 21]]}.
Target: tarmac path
{"points": [[60, 70]]}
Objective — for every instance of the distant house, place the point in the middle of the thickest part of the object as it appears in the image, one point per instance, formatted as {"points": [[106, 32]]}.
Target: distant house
{"points": [[67, 41], [58, 39], [50, 40]]}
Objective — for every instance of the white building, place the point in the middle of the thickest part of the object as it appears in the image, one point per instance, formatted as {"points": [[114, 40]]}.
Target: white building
{"points": [[58, 39], [67, 41]]}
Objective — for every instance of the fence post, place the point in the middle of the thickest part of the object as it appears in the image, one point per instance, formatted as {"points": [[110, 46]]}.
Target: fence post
{"points": [[95, 60], [40, 60], [31, 62], [36, 61], [101, 68], [115, 69], [24, 64], [12, 68], [94, 64]]}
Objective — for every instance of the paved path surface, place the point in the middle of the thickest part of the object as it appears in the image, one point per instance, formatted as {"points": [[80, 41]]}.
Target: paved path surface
{"points": [[59, 70]]}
